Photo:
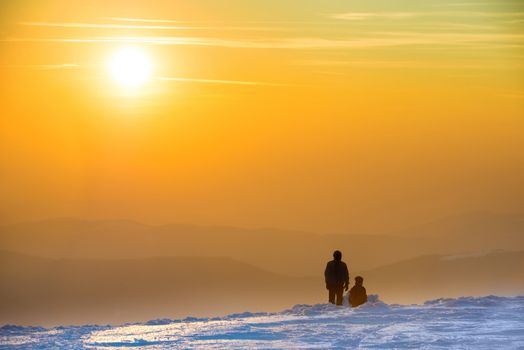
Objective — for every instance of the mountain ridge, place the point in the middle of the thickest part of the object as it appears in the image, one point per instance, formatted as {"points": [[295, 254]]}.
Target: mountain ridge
{"points": [[57, 291]]}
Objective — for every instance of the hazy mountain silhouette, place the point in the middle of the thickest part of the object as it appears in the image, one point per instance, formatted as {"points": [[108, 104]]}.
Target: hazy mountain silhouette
{"points": [[281, 251], [62, 291], [480, 229], [437, 276]]}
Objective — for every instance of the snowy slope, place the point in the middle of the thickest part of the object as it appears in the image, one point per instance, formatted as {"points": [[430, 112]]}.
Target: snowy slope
{"points": [[464, 323]]}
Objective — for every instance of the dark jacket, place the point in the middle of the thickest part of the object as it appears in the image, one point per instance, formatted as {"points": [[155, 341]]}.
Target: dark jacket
{"points": [[336, 274], [357, 295]]}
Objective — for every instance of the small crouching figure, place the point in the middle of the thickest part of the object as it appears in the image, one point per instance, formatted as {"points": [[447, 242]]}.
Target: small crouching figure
{"points": [[337, 278], [357, 294]]}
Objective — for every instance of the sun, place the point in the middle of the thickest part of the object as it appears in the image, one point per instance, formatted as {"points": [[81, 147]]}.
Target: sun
{"points": [[130, 67]]}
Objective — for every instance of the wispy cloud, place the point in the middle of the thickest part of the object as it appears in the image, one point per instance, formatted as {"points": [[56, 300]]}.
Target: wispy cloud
{"points": [[513, 94], [359, 16], [44, 66], [515, 21], [458, 38], [291, 43], [414, 64], [488, 14], [464, 26], [379, 39], [143, 20], [220, 81], [459, 4], [130, 26], [146, 20], [474, 4]]}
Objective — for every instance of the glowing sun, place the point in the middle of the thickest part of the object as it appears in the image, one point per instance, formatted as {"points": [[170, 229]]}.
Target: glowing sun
{"points": [[130, 67]]}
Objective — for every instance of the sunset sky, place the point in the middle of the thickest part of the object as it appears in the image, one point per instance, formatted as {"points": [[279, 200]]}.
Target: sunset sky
{"points": [[325, 116]]}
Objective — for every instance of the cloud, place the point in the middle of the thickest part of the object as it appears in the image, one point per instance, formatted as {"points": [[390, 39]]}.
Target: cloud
{"points": [[458, 38], [380, 39], [143, 20], [359, 16], [512, 94], [220, 81], [44, 66], [407, 64], [290, 43], [129, 26], [473, 4]]}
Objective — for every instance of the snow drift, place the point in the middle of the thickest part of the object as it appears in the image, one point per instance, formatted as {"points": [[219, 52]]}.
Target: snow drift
{"points": [[464, 323]]}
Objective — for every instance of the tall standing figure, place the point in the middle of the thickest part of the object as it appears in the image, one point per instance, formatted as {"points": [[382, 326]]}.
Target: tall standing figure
{"points": [[337, 278]]}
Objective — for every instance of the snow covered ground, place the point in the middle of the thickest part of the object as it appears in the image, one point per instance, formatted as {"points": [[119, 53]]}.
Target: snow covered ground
{"points": [[464, 323]]}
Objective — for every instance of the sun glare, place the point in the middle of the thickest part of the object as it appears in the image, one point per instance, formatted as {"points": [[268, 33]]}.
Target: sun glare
{"points": [[130, 67]]}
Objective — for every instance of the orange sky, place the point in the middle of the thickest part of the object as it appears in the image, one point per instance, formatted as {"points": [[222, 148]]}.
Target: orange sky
{"points": [[333, 116]]}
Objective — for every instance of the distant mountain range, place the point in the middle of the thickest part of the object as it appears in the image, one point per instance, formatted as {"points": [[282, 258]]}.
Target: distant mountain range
{"points": [[44, 291], [483, 228], [434, 276], [280, 251], [38, 290]]}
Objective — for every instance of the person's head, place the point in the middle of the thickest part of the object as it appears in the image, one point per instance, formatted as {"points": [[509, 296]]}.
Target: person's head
{"points": [[359, 280], [337, 255]]}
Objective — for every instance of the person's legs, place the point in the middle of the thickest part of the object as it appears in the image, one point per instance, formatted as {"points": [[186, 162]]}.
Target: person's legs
{"points": [[332, 295], [340, 295]]}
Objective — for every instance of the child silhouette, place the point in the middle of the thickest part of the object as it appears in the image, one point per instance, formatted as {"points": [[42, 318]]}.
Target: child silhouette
{"points": [[357, 294]]}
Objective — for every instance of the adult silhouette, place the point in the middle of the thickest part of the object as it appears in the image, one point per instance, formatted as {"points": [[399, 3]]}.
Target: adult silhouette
{"points": [[337, 278]]}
